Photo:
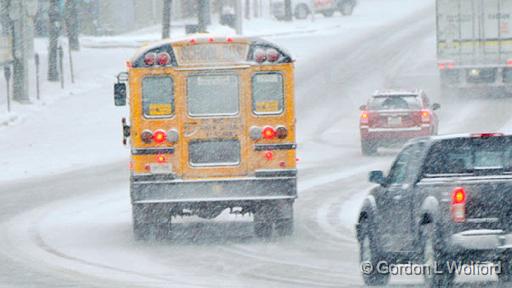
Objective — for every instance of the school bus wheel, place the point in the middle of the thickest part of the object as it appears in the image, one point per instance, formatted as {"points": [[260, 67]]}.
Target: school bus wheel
{"points": [[273, 213], [151, 222]]}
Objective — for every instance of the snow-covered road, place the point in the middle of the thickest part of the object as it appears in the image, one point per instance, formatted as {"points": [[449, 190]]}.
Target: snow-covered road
{"points": [[73, 229]]}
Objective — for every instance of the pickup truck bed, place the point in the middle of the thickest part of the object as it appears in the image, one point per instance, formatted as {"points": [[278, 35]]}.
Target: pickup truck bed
{"points": [[445, 199]]}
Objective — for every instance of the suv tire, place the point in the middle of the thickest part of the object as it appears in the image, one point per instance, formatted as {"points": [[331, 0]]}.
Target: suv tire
{"points": [[301, 11], [369, 147]]}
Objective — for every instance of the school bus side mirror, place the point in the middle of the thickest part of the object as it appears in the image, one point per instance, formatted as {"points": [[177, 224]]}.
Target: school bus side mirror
{"points": [[120, 94]]}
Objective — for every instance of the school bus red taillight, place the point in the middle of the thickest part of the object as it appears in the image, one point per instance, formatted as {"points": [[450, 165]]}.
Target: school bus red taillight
{"points": [[161, 159], [458, 205], [269, 133], [159, 136]]}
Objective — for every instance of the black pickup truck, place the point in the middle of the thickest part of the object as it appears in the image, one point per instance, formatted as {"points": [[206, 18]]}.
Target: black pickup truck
{"points": [[446, 200]]}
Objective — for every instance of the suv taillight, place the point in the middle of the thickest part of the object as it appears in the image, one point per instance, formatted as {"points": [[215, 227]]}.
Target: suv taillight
{"points": [[425, 116], [458, 205], [364, 118]]}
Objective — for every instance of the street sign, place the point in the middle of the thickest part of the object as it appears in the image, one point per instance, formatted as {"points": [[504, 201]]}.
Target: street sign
{"points": [[5, 49]]}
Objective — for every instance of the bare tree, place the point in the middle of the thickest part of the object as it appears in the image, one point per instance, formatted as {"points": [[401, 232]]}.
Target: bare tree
{"points": [[166, 19], [72, 24], [54, 18], [203, 15]]}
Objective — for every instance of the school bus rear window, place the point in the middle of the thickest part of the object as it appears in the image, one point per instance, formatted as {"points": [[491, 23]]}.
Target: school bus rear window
{"points": [[214, 152], [158, 96], [213, 95], [267, 93]]}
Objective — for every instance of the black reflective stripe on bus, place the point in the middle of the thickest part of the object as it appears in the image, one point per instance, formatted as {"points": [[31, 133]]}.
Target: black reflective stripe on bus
{"points": [[152, 177], [265, 147], [276, 173], [152, 151]]}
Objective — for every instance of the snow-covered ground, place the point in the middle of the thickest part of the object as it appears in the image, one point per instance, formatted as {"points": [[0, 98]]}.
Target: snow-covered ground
{"points": [[77, 227], [79, 126]]}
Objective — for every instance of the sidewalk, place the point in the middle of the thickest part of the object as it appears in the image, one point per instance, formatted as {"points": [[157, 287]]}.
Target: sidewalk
{"points": [[79, 126]]}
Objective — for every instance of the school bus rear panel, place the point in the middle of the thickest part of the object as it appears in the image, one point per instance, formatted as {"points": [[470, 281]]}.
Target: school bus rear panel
{"points": [[212, 121]]}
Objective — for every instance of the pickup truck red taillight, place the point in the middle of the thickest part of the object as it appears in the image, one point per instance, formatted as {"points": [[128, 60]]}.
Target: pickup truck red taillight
{"points": [[458, 205]]}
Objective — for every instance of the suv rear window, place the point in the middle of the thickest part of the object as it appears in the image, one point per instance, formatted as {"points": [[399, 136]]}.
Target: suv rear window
{"points": [[465, 155], [395, 102]]}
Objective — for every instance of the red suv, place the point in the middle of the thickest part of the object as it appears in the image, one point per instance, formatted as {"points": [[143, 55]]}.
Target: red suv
{"points": [[393, 117]]}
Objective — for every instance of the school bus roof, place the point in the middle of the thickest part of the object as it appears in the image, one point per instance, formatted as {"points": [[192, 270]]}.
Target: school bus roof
{"points": [[210, 50]]}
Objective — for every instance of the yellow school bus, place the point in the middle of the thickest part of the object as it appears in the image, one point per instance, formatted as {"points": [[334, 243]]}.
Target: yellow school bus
{"points": [[211, 127]]}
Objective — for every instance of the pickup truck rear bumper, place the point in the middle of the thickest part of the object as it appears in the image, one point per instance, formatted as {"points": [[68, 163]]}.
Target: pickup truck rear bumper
{"points": [[480, 245]]}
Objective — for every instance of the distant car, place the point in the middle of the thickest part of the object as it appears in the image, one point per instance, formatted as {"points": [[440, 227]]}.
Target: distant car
{"points": [[393, 117], [301, 9]]}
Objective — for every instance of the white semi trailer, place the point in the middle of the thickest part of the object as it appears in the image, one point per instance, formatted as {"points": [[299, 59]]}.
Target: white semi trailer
{"points": [[474, 46]]}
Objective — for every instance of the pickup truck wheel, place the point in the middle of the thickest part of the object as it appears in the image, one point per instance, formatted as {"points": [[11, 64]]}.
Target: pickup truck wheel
{"points": [[436, 261], [368, 148], [149, 224], [370, 254]]}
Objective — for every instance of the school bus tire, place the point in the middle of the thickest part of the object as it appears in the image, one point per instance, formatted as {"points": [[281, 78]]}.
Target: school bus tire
{"points": [[263, 221], [284, 220], [284, 227], [150, 223]]}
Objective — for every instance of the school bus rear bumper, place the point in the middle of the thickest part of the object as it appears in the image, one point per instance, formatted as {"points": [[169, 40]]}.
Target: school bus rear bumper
{"points": [[238, 189]]}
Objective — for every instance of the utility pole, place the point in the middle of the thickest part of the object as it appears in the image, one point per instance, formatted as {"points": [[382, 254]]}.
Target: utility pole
{"points": [[288, 10], [166, 19], [203, 11], [239, 16], [19, 12], [72, 24], [54, 17]]}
